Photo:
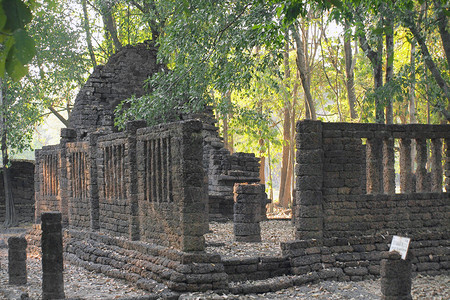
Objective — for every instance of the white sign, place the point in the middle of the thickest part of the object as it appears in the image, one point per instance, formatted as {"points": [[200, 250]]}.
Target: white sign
{"points": [[400, 244]]}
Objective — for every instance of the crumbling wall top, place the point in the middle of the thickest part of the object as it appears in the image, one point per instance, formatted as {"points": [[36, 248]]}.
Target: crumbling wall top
{"points": [[122, 77]]}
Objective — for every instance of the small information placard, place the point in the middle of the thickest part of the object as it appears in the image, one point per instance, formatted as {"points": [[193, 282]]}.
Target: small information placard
{"points": [[400, 244]]}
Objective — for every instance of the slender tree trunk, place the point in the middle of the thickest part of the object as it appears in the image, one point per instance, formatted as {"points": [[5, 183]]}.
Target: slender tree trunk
{"points": [[282, 196], [350, 74], [10, 213], [88, 33], [292, 145], [262, 164], [389, 69], [442, 20], [431, 65], [227, 137], [262, 158], [270, 176], [412, 87], [301, 65], [375, 58], [59, 116], [110, 25], [225, 131]]}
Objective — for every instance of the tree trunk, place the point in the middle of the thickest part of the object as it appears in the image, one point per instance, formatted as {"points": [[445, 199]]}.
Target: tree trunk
{"points": [[270, 177], [88, 33], [431, 65], [283, 197], [292, 145], [349, 72], [110, 25], [262, 158], [262, 164], [10, 213], [442, 21], [227, 137], [225, 131], [412, 87], [375, 58], [59, 116], [301, 65], [389, 69]]}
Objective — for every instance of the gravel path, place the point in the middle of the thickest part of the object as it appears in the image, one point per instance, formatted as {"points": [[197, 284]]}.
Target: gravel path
{"points": [[83, 284], [78, 282], [220, 239]]}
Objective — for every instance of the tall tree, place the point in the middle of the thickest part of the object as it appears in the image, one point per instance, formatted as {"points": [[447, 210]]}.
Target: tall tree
{"points": [[389, 29], [303, 68], [412, 17], [375, 55], [106, 11], [412, 87], [17, 49], [87, 30], [10, 212], [284, 194], [350, 62]]}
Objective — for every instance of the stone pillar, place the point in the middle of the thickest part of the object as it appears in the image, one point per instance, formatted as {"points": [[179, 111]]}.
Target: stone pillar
{"points": [[373, 166], [37, 186], [17, 260], [91, 160], [436, 165], [421, 169], [67, 135], [309, 180], [447, 165], [247, 211], [405, 166], [264, 201], [52, 256], [132, 178], [193, 194], [388, 166], [395, 277]]}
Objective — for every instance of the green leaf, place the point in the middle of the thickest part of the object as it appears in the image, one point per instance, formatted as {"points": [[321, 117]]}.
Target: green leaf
{"points": [[14, 67], [7, 43], [24, 46], [18, 14], [2, 17]]}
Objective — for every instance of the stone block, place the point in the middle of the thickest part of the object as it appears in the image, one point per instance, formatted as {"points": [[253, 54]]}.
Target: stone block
{"points": [[308, 197], [247, 229], [243, 188], [310, 224], [309, 156], [256, 238]]}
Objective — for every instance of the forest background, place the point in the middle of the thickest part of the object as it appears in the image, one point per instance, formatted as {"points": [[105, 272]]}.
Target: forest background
{"points": [[262, 65]]}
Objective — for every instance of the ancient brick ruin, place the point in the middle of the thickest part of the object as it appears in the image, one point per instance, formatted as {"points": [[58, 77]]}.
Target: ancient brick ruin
{"points": [[22, 178], [346, 206], [223, 169], [136, 203], [122, 77], [143, 190]]}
